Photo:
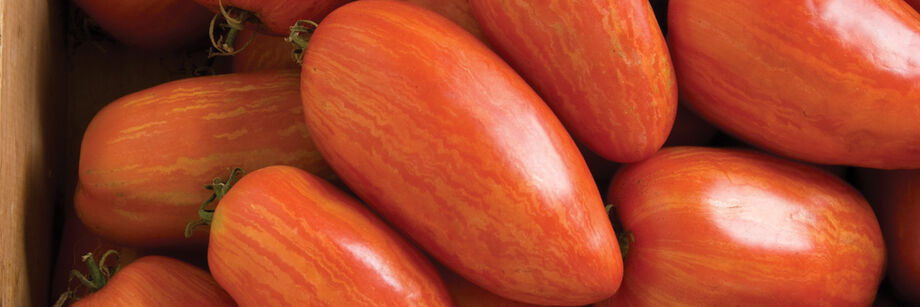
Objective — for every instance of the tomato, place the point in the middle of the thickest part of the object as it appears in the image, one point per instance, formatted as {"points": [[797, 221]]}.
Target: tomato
{"points": [[601, 65], [277, 16], [458, 11], [453, 148], [145, 157], [722, 227], [159, 281], [825, 81], [150, 24], [896, 197], [264, 53], [283, 237]]}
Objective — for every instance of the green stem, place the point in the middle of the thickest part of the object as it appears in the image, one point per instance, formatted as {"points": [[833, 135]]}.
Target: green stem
{"points": [[220, 188], [300, 37], [225, 44]]}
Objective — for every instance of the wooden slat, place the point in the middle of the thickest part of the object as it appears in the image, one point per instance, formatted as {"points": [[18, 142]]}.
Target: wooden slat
{"points": [[31, 87]]}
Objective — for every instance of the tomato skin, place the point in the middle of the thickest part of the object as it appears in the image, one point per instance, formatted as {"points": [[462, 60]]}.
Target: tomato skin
{"points": [[265, 53], [826, 81], [896, 197], [739, 228], [458, 11], [466, 294], [146, 157], [283, 237], [453, 148], [277, 16], [914, 3], [159, 281], [150, 24], [602, 65]]}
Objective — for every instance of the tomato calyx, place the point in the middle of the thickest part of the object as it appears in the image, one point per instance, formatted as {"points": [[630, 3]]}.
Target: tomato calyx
{"points": [[99, 275], [625, 238], [234, 21], [300, 37], [220, 188]]}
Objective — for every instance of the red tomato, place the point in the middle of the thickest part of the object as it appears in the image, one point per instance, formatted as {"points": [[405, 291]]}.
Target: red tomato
{"points": [[150, 24], [453, 148], [145, 157], [458, 11], [264, 53], [825, 81], [896, 197], [720, 227], [159, 281], [283, 237], [602, 65], [277, 16]]}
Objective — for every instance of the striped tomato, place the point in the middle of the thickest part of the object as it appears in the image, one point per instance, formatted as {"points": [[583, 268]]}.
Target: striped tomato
{"points": [[602, 65], [720, 227], [895, 195], [158, 281], [283, 237], [145, 156], [825, 81], [458, 11], [150, 24], [452, 147], [264, 53]]}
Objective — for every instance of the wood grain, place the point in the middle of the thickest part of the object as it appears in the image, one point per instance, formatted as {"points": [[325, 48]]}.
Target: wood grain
{"points": [[29, 105]]}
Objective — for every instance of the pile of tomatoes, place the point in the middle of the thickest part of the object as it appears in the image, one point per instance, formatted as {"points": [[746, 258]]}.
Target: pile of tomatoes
{"points": [[454, 152]]}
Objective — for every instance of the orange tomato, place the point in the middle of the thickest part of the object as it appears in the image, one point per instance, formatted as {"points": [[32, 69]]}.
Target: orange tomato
{"points": [[145, 157], [283, 237], [602, 65], [721, 227], [824, 81], [452, 147]]}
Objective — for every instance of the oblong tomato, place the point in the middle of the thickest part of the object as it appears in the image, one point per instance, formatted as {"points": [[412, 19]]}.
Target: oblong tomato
{"points": [[145, 157], [722, 227], [825, 81], [458, 11], [896, 197], [159, 281], [264, 53], [453, 148], [601, 65], [277, 16], [150, 24], [283, 237]]}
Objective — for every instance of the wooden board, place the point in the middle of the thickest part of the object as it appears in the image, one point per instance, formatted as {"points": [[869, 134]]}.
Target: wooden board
{"points": [[31, 103]]}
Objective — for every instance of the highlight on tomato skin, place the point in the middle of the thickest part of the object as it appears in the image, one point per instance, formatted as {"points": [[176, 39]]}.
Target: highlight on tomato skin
{"points": [[150, 24], [895, 197], [284, 237], [732, 227], [159, 281], [602, 65], [145, 157], [452, 147], [827, 81]]}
